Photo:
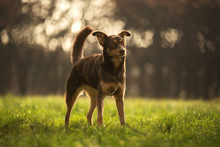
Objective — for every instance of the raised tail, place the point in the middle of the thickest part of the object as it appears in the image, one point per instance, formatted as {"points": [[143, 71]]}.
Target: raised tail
{"points": [[77, 50]]}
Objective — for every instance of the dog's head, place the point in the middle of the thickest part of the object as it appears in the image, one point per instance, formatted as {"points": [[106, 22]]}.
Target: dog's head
{"points": [[113, 45]]}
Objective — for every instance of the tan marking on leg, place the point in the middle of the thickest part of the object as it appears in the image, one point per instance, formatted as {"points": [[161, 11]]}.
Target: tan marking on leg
{"points": [[92, 93], [100, 109], [119, 98]]}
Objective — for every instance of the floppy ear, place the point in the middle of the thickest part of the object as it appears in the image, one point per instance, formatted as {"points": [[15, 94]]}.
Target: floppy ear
{"points": [[124, 33], [101, 37]]}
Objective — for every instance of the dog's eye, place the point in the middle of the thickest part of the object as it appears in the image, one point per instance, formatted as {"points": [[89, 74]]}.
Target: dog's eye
{"points": [[114, 41]]}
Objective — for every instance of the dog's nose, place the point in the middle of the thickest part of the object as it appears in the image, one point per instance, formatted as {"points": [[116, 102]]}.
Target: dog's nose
{"points": [[122, 52]]}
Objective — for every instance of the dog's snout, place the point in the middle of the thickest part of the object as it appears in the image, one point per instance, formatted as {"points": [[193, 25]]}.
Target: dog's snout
{"points": [[122, 52]]}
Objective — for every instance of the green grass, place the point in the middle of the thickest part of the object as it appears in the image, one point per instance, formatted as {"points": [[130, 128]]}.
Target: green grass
{"points": [[39, 121]]}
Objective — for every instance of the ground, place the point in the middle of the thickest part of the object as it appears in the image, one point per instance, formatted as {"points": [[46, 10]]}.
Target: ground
{"points": [[39, 121]]}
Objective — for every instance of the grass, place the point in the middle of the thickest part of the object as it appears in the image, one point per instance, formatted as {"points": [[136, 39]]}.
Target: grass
{"points": [[39, 121]]}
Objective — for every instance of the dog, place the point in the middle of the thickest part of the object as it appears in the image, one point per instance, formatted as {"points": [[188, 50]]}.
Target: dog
{"points": [[98, 75]]}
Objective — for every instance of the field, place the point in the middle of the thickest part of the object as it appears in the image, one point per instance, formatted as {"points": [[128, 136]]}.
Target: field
{"points": [[39, 121]]}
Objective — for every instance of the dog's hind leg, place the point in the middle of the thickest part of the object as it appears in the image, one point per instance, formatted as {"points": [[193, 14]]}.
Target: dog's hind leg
{"points": [[72, 92], [70, 100]]}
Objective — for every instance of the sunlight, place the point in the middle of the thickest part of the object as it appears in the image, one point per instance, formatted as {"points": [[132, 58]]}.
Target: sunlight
{"points": [[41, 8], [53, 44], [76, 27], [76, 10], [67, 43], [38, 29], [56, 15], [201, 42], [50, 28], [70, 17], [25, 9], [169, 37], [63, 24], [41, 39], [144, 39], [99, 3], [24, 1], [4, 37], [62, 5]]}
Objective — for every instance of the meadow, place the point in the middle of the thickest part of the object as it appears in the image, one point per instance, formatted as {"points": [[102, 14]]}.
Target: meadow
{"points": [[39, 121]]}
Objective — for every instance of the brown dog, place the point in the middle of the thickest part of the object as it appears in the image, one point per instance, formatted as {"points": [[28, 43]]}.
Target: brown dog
{"points": [[98, 75]]}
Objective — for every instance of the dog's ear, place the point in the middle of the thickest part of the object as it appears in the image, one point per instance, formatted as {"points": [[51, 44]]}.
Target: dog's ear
{"points": [[124, 33], [101, 37]]}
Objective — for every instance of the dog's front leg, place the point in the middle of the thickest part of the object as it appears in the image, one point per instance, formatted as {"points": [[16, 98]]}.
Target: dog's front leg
{"points": [[100, 108], [119, 98]]}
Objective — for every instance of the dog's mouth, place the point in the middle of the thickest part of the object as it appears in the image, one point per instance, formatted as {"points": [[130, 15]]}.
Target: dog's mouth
{"points": [[120, 55]]}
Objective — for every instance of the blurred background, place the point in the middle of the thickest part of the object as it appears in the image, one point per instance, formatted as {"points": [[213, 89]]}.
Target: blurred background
{"points": [[174, 50]]}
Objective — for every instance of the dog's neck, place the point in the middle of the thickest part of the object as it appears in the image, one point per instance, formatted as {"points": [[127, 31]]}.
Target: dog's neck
{"points": [[117, 61], [114, 64]]}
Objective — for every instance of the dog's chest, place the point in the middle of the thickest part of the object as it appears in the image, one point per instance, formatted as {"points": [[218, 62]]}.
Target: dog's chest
{"points": [[110, 88]]}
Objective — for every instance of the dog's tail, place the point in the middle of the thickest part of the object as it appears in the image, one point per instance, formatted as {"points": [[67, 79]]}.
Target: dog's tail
{"points": [[77, 50]]}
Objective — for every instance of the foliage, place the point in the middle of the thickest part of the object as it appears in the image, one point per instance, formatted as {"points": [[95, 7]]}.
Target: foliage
{"points": [[39, 121], [174, 45]]}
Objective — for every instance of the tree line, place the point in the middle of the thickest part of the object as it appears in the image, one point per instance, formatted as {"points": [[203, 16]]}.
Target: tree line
{"points": [[174, 50]]}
